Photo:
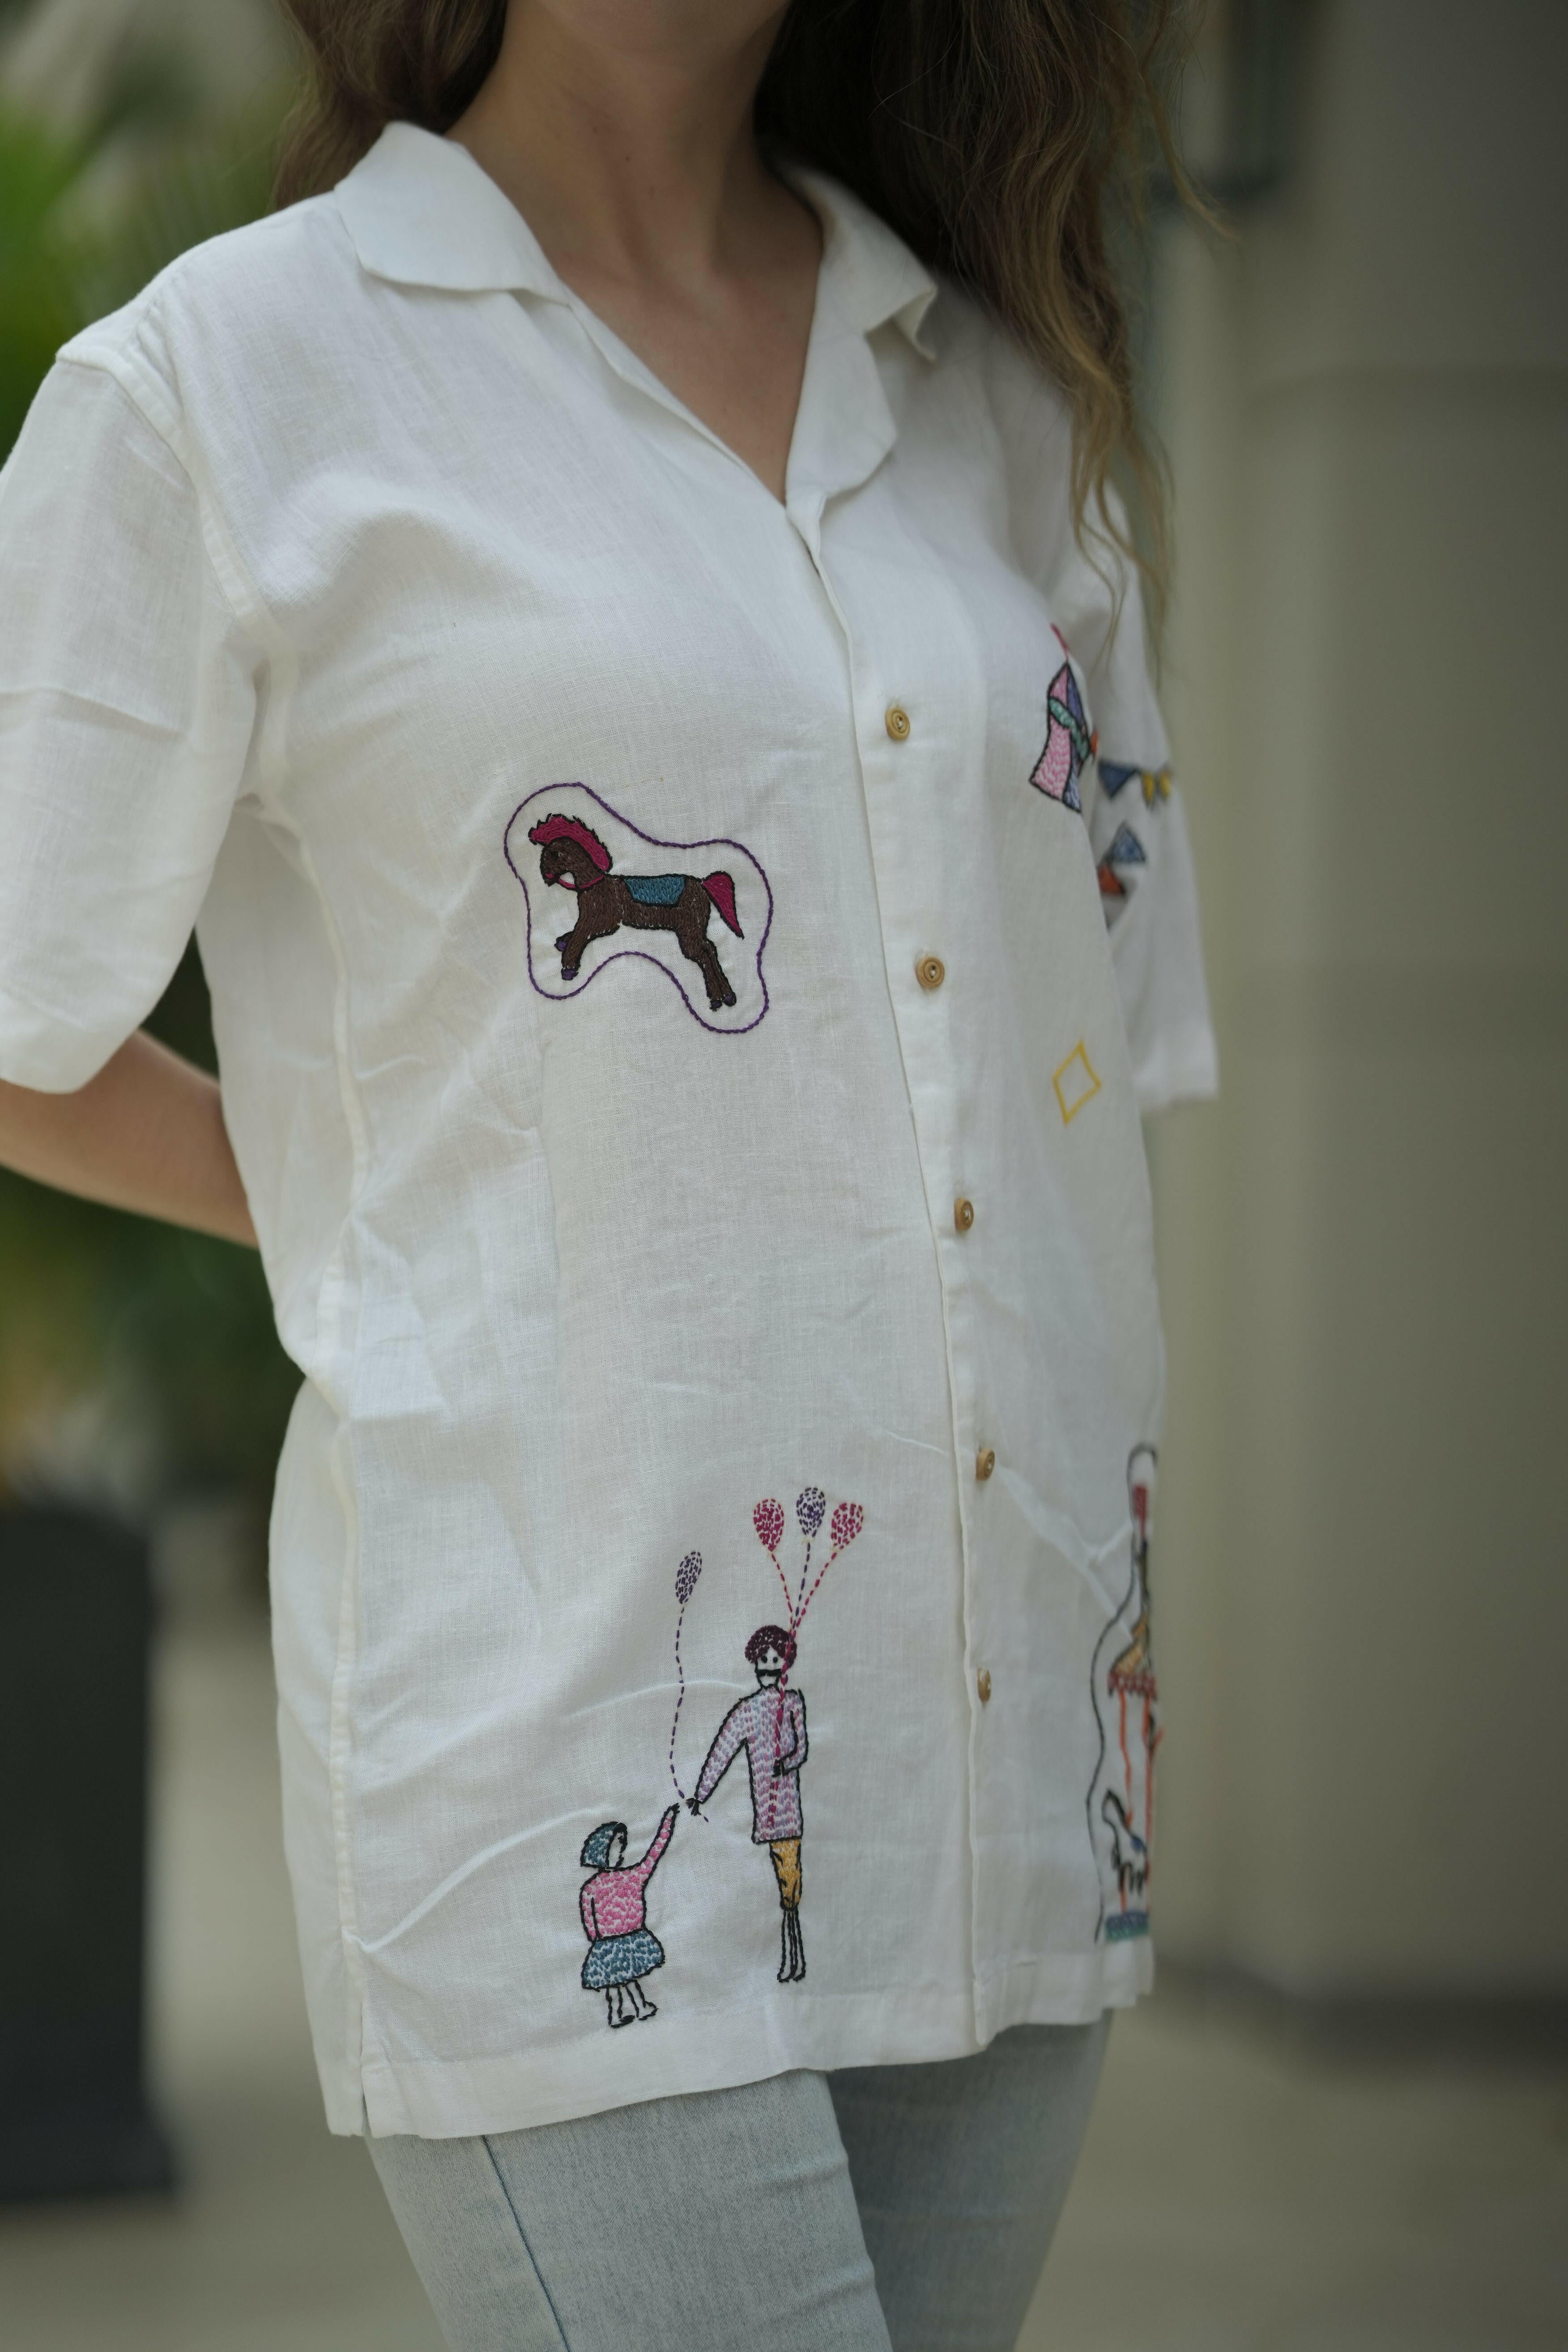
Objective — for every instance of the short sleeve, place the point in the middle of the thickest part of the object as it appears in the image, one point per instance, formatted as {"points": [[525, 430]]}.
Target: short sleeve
{"points": [[1148, 891], [128, 696]]}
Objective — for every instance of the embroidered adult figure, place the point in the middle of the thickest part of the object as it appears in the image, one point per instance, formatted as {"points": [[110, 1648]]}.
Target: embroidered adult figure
{"points": [[622, 1947], [769, 1723], [572, 854]]}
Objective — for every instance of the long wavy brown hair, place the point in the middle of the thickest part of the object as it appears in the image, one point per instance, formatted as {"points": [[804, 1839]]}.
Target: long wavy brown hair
{"points": [[1007, 141]]}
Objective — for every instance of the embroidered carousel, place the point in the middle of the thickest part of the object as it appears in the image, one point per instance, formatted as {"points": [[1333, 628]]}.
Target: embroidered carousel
{"points": [[1126, 1707]]}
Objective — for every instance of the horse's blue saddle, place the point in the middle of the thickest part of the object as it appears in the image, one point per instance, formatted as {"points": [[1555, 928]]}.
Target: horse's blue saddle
{"points": [[655, 890]]}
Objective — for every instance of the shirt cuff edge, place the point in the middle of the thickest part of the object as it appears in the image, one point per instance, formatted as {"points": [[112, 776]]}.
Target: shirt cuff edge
{"points": [[1181, 1069], [45, 1053]]}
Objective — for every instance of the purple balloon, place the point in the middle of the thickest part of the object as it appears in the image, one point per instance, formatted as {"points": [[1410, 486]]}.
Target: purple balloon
{"points": [[686, 1577]]}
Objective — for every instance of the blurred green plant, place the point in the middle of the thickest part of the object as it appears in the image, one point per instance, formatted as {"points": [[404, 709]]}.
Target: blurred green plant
{"points": [[195, 184], [178, 1326], [39, 167]]}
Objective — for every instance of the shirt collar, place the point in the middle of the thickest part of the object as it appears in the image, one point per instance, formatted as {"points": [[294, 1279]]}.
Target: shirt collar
{"points": [[421, 211], [868, 268]]}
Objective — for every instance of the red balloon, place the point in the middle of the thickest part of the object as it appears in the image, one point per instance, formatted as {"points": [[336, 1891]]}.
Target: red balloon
{"points": [[847, 1521], [768, 1518]]}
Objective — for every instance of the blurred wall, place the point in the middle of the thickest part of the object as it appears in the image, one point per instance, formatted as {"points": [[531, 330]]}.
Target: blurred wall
{"points": [[1363, 1588]]}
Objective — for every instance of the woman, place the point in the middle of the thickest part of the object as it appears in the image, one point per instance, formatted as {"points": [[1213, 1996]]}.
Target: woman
{"points": [[677, 429]]}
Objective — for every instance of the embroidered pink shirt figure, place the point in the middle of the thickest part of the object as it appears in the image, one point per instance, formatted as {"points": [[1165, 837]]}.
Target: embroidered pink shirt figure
{"points": [[770, 1725], [621, 1948]]}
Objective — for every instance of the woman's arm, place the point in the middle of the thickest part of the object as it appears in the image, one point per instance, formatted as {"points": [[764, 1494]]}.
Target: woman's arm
{"points": [[146, 1133]]}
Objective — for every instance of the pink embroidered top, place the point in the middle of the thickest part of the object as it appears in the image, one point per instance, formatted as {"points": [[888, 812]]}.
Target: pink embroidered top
{"points": [[770, 1725], [614, 1902]]}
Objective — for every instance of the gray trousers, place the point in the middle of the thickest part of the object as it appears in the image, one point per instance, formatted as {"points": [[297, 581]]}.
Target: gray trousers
{"points": [[909, 2206]]}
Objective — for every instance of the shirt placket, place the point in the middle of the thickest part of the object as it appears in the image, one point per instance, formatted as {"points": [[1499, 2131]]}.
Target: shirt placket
{"points": [[919, 721], [910, 744]]}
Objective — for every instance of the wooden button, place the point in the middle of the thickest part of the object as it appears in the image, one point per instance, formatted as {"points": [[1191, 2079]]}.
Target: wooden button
{"points": [[983, 1685], [984, 1462], [963, 1215], [931, 971], [898, 722]]}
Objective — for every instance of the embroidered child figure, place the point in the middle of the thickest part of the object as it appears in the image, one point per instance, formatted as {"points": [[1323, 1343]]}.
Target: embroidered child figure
{"points": [[572, 855], [621, 1948], [770, 1725]]}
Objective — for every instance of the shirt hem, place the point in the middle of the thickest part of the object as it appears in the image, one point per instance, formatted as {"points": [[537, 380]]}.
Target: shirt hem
{"points": [[598, 2071]]}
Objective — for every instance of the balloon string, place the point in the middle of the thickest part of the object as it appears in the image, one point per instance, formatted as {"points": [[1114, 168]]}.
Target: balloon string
{"points": [[783, 1579], [797, 1609], [811, 1596], [679, 1702]]}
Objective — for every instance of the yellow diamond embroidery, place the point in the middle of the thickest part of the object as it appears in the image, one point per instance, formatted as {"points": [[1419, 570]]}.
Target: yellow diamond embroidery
{"points": [[1075, 1083]]}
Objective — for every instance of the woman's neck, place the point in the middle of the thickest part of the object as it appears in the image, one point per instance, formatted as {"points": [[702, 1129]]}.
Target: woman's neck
{"points": [[630, 154], [632, 159]]}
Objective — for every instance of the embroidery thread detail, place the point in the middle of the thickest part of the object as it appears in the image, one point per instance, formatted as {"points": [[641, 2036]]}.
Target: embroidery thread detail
{"points": [[1077, 1082], [1126, 849], [1120, 1803], [1156, 781], [556, 840], [675, 902], [612, 1903], [686, 1577], [1068, 743], [769, 1724]]}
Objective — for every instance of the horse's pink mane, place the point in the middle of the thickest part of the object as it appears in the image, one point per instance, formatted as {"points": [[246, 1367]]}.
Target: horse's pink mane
{"points": [[571, 828]]}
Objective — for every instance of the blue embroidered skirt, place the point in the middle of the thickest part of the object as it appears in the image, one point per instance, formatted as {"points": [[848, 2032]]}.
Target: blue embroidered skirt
{"points": [[616, 1959]]}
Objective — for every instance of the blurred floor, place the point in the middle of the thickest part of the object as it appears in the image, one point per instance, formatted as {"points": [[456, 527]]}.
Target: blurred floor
{"points": [[279, 2239], [1232, 2198]]}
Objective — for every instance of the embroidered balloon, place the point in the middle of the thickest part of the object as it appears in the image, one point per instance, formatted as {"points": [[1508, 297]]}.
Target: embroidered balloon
{"points": [[810, 1506], [847, 1521], [768, 1521], [686, 1577]]}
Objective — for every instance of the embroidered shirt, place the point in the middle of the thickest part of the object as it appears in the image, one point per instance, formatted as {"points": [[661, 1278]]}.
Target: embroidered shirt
{"points": [[770, 1725], [614, 1902], [364, 600]]}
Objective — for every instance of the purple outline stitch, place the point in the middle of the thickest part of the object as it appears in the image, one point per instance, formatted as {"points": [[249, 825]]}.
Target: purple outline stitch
{"points": [[639, 955]]}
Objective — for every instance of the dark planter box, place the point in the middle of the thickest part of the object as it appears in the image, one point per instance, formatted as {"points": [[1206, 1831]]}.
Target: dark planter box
{"points": [[75, 1621]]}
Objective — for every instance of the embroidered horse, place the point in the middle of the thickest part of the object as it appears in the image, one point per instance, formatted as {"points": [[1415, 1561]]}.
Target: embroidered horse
{"points": [[572, 854]]}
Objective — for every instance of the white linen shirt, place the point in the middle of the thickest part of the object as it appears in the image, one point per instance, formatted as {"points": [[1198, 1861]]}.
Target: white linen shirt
{"points": [[688, 1092]]}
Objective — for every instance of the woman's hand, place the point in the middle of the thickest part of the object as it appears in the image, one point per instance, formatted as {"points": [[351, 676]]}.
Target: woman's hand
{"points": [[146, 1133]]}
